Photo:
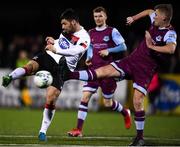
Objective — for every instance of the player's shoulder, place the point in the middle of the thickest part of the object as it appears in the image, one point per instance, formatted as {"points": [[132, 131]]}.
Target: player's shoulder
{"points": [[170, 30], [92, 30], [83, 35], [110, 27], [82, 32]]}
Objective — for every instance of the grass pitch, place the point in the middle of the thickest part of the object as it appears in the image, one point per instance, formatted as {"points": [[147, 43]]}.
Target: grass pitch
{"points": [[21, 127]]}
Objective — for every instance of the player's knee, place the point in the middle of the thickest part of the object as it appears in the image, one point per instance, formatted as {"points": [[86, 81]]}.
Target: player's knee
{"points": [[52, 93], [31, 67], [138, 103], [85, 99], [107, 102]]}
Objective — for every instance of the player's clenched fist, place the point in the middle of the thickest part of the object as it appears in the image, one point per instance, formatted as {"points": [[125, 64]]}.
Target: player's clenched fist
{"points": [[49, 40], [129, 20]]}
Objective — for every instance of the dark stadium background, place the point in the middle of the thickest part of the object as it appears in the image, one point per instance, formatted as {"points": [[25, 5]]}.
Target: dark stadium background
{"points": [[42, 17], [29, 18]]}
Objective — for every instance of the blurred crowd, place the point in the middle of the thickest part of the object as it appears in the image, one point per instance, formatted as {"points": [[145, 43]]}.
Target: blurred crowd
{"points": [[10, 50]]}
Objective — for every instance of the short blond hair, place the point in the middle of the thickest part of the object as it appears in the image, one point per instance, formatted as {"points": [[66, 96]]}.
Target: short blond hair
{"points": [[99, 9], [166, 9]]}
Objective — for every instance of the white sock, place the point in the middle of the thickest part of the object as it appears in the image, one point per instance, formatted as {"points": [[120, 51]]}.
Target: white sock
{"points": [[139, 125], [48, 115], [82, 112], [82, 115], [17, 73]]}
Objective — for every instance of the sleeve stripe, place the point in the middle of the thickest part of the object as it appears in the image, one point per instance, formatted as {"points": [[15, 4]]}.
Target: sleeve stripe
{"points": [[83, 45]]}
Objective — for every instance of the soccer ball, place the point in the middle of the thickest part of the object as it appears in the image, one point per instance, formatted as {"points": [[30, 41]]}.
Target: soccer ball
{"points": [[43, 79]]}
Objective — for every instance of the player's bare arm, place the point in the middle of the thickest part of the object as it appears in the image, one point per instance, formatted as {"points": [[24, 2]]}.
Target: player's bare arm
{"points": [[131, 19]]}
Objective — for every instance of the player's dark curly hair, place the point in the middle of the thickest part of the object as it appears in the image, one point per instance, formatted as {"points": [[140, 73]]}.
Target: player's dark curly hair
{"points": [[70, 14]]}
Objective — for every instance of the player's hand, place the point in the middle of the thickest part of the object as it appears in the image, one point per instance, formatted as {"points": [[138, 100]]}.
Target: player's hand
{"points": [[88, 62], [50, 40], [149, 41], [104, 53], [51, 48], [129, 20]]}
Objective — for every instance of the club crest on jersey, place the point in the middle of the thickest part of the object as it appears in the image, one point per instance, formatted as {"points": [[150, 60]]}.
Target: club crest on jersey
{"points": [[159, 38], [106, 38], [63, 43]]}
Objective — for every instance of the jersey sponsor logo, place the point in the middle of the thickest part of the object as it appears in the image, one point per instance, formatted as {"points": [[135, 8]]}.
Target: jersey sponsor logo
{"points": [[63, 43], [159, 38], [100, 45], [106, 38]]}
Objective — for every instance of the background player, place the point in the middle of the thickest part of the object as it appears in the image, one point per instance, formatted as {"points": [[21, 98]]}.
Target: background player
{"points": [[71, 45], [106, 41]]}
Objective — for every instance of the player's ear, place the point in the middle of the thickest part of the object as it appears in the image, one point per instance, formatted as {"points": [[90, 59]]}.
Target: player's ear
{"points": [[164, 19], [73, 22]]}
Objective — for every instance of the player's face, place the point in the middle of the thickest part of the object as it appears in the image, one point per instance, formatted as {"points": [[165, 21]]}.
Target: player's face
{"points": [[68, 26], [159, 18], [100, 18]]}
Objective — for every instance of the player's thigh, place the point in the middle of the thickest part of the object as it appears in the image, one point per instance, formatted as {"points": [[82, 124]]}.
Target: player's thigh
{"points": [[32, 66], [108, 86], [107, 71]]}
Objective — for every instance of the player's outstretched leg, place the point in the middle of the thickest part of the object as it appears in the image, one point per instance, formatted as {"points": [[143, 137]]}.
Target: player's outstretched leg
{"points": [[6, 80], [15, 74]]}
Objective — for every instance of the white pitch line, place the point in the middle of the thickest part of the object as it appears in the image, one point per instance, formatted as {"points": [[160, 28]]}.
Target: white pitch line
{"points": [[21, 145], [90, 137]]}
